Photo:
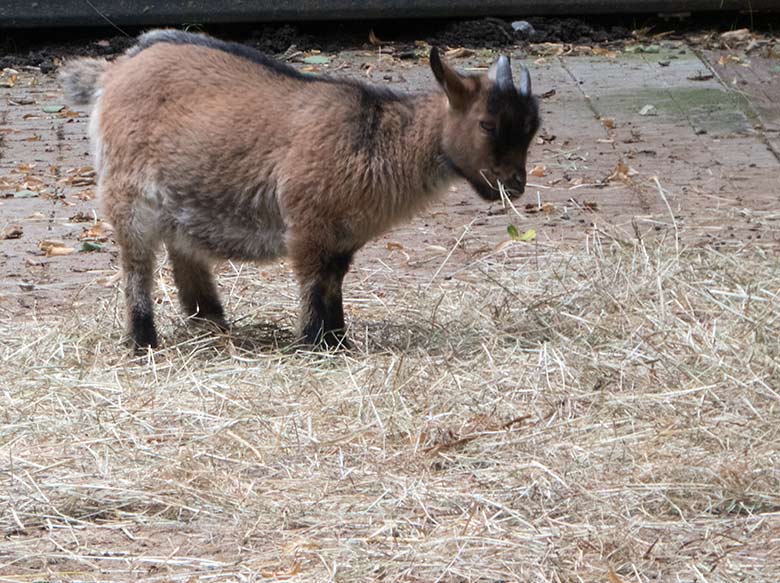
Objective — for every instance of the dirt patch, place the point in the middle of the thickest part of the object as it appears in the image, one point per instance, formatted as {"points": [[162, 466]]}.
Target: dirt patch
{"points": [[487, 32], [497, 32], [575, 30], [27, 52], [275, 39]]}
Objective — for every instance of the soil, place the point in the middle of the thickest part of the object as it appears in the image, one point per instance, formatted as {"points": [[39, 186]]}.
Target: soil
{"points": [[45, 48], [497, 33]]}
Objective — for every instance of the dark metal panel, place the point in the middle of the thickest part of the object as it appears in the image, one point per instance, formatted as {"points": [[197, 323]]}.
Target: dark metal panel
{"points": [[17, 13]]}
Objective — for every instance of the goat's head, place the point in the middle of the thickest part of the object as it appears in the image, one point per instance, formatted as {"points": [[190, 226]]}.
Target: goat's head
{"points": [[489, 126]]}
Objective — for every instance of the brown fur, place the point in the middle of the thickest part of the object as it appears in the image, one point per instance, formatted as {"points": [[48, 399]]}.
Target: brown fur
{"points": [[219, 157]]}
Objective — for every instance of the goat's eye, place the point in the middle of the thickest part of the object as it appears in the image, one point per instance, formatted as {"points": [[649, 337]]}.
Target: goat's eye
{"points": [[487, 126]]}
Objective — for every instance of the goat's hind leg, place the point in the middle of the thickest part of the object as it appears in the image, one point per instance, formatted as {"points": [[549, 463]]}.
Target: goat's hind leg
{"points": [[138, 243], [197, 291]]}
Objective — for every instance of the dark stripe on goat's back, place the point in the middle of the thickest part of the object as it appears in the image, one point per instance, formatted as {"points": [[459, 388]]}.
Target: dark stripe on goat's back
{"points": [[376, 106], [180, 37]]}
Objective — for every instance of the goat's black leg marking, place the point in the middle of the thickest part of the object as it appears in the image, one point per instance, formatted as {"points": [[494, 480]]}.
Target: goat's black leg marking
{"points": [[142, 325], [138, 254], [323, 307], [197, 291]]}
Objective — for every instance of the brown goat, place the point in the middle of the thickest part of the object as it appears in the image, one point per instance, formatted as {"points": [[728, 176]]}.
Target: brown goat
{"points": [[221, 152]]}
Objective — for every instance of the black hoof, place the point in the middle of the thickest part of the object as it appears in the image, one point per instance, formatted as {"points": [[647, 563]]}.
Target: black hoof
{"points": [[144, 333]]}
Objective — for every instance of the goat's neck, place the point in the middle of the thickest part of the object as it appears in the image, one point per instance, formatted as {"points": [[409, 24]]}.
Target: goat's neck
{"points": [[424, 142]]}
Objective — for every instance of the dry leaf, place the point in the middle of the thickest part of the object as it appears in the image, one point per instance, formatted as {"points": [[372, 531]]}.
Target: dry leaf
{"points": [[12, 232], [95, 232], [459, 53], [53, 248], [83, 176], [622, 172], [608, 123], [548, 49], [603, 52], [538, 171], [394, 246], [740, 35]]}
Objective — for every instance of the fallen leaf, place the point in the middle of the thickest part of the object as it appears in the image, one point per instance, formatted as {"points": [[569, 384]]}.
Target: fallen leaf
{"points": [[547, 49], [622, 172], [12, 232], [648, 110], [528, 236], [52, 108], [95, 232], [538, 171], [81, 217], [83, 176], [53, 248], [459, 53], [547, 94], [739, 35], [394, 246], [608, 123], [89, 246], [316, 60], [21, 101], [8, 81], [25, 193], [604, 52]]}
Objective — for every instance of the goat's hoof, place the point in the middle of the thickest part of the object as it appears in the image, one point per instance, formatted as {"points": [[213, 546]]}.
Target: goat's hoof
{"points": [[141, 346], [212, 321], [328, 341]]}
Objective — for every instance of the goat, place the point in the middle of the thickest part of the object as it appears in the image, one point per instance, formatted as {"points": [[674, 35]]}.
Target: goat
{"points": [[222, 152]]}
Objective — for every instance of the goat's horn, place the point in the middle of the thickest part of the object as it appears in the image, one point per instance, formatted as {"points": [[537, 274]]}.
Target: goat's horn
{"points": [[524, 87], [501, 73]]}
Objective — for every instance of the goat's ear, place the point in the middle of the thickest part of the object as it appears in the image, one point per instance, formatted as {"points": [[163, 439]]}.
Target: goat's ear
{"points": [[449, 79]]}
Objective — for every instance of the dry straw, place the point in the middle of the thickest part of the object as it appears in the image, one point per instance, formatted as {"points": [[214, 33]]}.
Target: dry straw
{"points": [[601, 413]]}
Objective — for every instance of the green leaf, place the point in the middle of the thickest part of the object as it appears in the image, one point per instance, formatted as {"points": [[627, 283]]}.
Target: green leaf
{"points": [[25, 194], [513, 232], [529, 235], [317, 60], [53, 108], [87, 246]]}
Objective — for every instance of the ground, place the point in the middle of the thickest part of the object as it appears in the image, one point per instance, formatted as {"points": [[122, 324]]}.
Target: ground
{"points": [[598, 402]]}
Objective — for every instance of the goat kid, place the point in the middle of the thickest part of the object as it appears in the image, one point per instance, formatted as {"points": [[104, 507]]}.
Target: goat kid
{"points": [[221, 152]]}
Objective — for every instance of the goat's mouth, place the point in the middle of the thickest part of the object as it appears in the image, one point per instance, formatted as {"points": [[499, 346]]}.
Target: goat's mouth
{"points": [[493, 190]]}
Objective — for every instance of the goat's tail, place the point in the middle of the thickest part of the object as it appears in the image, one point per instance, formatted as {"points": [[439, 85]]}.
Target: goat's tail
{"points": [[81, 79]]}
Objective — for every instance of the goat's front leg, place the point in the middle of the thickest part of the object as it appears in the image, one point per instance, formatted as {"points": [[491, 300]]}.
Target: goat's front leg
{"points": [[320, 275]]}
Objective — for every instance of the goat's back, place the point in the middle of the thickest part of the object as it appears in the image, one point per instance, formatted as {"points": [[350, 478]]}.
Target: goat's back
{"points": [[184, 111]]}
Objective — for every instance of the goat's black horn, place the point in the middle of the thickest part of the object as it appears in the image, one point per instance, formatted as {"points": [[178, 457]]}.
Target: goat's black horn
{"points": [[524, 87], [501, 73]]}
